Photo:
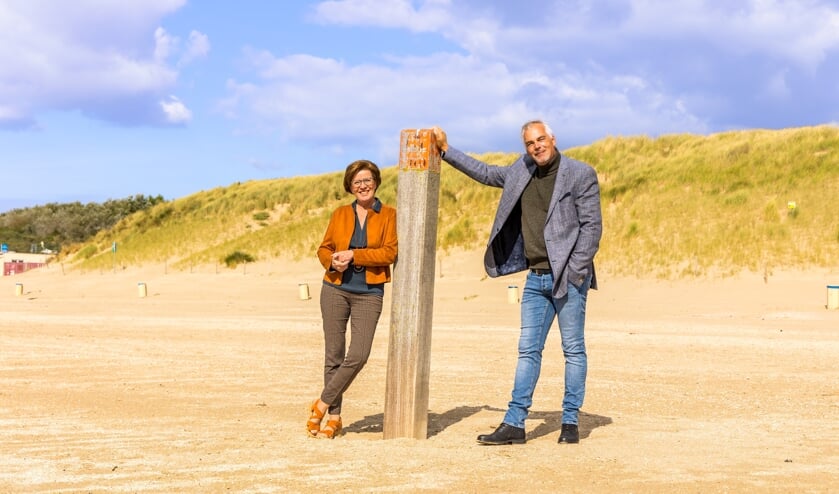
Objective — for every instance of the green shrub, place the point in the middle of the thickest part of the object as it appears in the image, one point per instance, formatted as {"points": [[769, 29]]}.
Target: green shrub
{"points": [[234, 259]]}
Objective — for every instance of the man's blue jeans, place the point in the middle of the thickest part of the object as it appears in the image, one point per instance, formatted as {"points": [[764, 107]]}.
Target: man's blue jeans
{"points": [[538, 309]]}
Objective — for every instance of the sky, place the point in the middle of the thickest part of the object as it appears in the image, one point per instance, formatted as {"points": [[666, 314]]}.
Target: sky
{"points": [[106, 99]]}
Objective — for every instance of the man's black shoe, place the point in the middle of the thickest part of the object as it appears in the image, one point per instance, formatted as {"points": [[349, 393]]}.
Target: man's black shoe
{"points": [[570, 434], [504, 434]]}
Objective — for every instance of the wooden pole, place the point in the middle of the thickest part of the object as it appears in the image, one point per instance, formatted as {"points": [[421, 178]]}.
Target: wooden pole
{"points": [[409, 352]]}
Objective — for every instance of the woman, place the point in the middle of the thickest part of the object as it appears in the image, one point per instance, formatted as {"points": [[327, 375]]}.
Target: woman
{"points": [[357, 250]]}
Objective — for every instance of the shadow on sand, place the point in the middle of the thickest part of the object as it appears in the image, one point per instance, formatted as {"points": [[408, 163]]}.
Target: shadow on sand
{"points": [[551, 422]]}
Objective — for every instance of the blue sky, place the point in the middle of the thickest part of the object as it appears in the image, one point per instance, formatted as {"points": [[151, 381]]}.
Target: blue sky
{"points": [[104, 99]]}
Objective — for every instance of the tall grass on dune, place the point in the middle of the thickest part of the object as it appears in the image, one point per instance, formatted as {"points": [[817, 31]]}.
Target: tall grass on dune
{"points": [[688, 205], [674, 206]]}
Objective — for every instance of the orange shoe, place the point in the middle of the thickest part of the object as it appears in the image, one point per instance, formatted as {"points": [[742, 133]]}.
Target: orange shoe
{"points": [[333, 428], [315, 418]]}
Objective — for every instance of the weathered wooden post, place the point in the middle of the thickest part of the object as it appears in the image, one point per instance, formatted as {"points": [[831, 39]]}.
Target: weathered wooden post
{"points": [[409, 353]]}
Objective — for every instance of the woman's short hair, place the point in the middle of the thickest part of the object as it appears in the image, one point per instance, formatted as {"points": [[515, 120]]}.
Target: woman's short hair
{"points": [[355, 167]]}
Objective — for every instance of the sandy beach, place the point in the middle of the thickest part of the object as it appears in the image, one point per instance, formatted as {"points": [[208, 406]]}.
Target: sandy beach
{"points": [[712, 385]]}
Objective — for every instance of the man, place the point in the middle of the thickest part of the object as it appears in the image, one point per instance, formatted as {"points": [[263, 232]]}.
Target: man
{"points": [[548, 221]]}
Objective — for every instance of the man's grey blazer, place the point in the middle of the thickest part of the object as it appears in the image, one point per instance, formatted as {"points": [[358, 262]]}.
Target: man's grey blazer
{"points": [[572, 228]]}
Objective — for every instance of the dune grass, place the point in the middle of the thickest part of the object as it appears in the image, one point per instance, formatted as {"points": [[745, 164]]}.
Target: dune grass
{"points": [[688, 205], [675, 206]]}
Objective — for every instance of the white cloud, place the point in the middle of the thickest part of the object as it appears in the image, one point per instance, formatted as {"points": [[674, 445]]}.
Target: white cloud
{"points": [[176, 112], [198, 46], [390, 13], [614, 67], [306, 98], [801, 32], [164, 44], [104, 59]]}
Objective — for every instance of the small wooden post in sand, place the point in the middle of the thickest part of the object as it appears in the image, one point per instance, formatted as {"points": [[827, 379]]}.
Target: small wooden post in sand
{"points": [[409, 353]]}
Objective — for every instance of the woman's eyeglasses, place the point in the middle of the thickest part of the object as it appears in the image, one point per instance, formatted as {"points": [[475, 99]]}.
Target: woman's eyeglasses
{"points": [[363, 181]]}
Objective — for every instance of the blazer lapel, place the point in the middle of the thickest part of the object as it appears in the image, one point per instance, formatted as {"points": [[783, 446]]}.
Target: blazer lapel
{"points": [[561, 187]]}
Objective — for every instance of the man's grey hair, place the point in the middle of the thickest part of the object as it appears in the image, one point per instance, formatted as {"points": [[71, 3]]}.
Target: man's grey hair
{"points": [[531, 123]]}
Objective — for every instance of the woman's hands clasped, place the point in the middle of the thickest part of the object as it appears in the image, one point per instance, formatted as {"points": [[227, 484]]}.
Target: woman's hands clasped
{"points": [[341, 260]]}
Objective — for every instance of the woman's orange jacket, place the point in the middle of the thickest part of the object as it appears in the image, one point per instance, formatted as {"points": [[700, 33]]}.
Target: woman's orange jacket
{"points": [[381, 243]]}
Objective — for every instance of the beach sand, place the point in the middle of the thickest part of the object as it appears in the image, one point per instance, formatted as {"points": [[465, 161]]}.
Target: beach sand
{"points": [[712, 385]]}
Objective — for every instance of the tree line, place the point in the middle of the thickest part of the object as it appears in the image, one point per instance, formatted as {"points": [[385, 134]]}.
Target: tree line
{"points": [[53, 225]]}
